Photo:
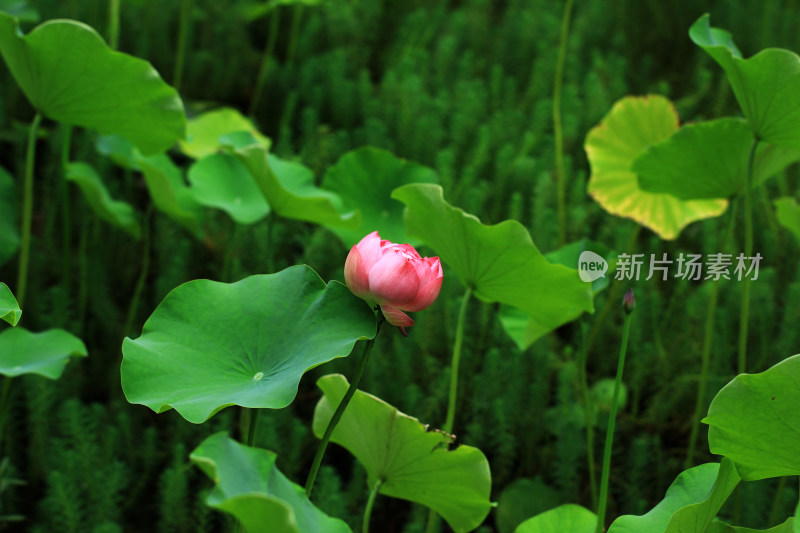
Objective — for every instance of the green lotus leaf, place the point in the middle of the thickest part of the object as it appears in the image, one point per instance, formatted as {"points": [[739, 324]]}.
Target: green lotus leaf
{"points": [[115, 212], [364, 179], [524, 330], [45, 353], [120, 150], [718, 526], [754, 421], [223, 182], [9, 235], [289, 188], [708, 160], [569, 517], [767, 85], [633, 124], [250, 487], [204, 131], [788, 212], [500, 262], [209, 345], [70, 75], [169, 192], [411, 462], [691, 502], [9, 308]]}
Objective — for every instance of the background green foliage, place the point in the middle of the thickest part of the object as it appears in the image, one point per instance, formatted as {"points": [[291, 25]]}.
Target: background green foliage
{"points": [[463, 87]]}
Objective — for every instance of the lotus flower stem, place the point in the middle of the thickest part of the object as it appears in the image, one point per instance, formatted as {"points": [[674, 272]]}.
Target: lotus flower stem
{"points": [[337, 415], [183, 37], [558, 133], [4, 405], [27, 211], [451, 404], [113, 24], [748, 252], [370, 502], [261, 77], [612, 416]]}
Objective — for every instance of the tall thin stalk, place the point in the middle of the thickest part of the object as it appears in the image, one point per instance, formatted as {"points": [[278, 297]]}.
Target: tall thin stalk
{"points": [[744, 313], [612, 418], [370, 502], [557, 130], [261, 78], [708, 341], [27, 211], [337, 415], [451, 403], [113, 24], [183, 37]]}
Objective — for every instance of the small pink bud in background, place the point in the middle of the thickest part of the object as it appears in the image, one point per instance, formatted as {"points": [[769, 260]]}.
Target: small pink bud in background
{"points": [[393, 276], [629, 302]]}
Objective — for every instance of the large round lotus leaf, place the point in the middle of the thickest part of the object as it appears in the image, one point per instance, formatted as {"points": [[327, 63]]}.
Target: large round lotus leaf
{"points": [[718, 526], [204, 131], [115, 212], [289, 188], [223, 182], [412, 462], [633, 124], [250, 487], [70, 75], [691, 502], [45, 353], [788, 212], [9, 308], [767, 86], [522, 499], [209, 345], [708, 160], [570, 517], [499, 262], [9, 235], [364, 179], [755, 422]]}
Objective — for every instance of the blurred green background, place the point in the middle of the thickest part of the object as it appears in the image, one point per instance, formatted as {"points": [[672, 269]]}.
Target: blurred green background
{"points": [[464, 87]]}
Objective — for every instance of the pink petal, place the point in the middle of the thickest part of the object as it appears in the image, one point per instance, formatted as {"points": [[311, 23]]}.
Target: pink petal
{"points": [[393, 280], [371, 249], [355, 274], [425, 296], [396, 317]]}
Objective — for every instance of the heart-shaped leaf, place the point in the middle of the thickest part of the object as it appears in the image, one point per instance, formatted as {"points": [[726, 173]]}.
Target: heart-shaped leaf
{"points": [[115, 212], [250, 487], [169, 191], [767, 86], [788, 212], [411, 462], [569, 517], [364, 179], [708, 160], [204, 131], [718, 526], [70, 75], [9, 235], [755, 422], [9, 307], [223, 182], [45, 353], [209, 345], [691, 502], [633, 124], [500, 263], [289, 188]]}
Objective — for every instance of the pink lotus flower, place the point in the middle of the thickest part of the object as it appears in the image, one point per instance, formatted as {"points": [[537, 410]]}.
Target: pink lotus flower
{"points": [[393, 276]]}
